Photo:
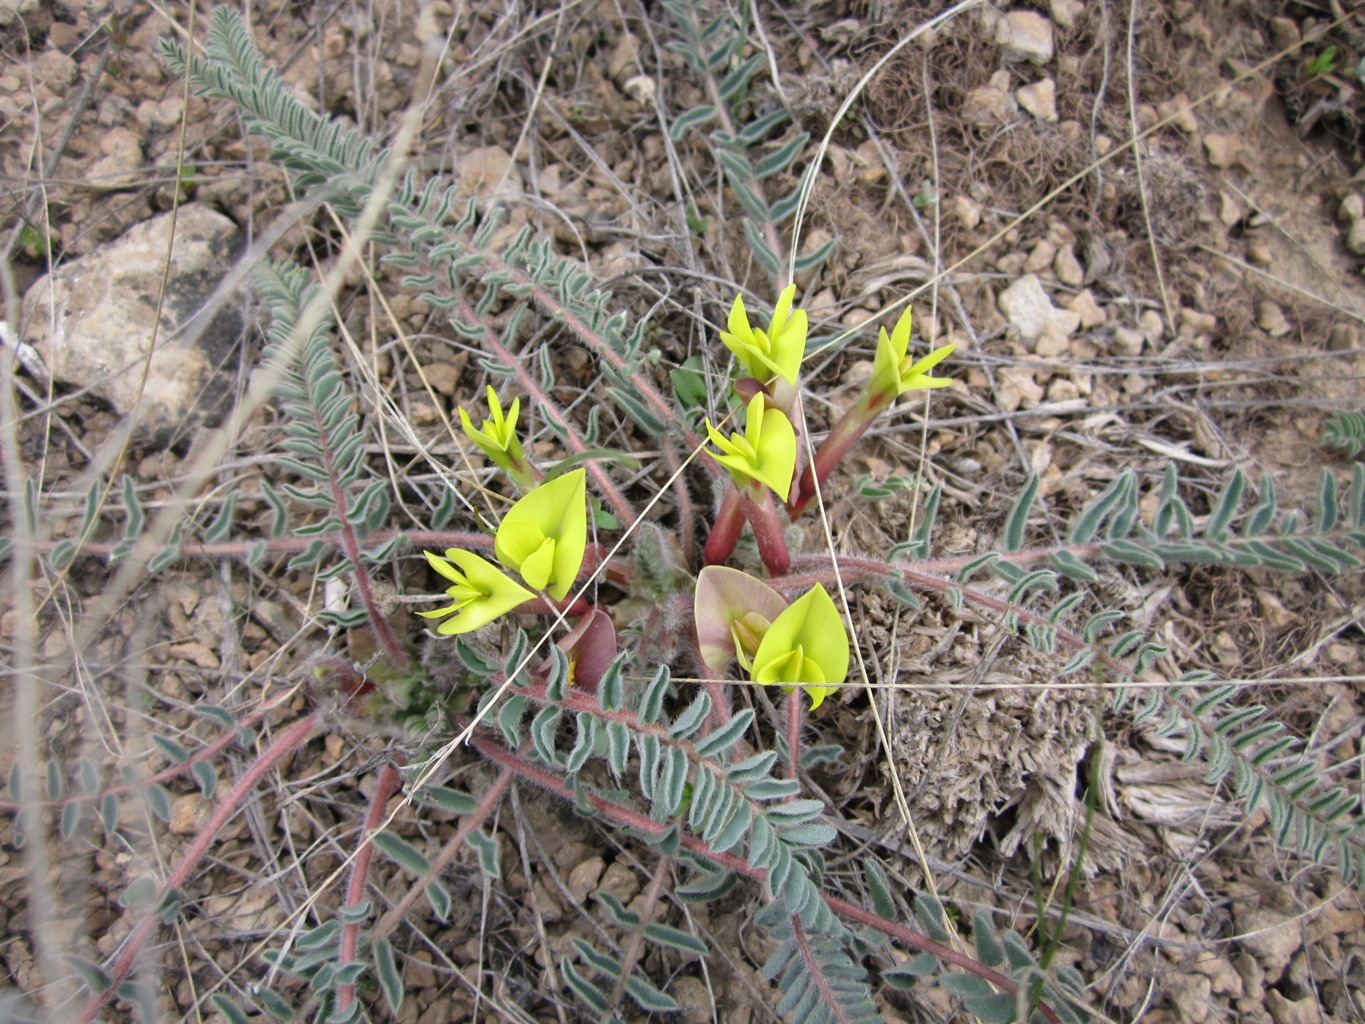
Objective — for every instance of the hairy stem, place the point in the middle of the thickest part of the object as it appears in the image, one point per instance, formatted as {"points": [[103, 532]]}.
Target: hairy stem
{"points": [[724, 535], [387, 785], [293, 738]]}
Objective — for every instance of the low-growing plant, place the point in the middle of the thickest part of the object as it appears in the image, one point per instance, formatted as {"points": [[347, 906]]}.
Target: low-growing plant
{"points": [[601, 650]]}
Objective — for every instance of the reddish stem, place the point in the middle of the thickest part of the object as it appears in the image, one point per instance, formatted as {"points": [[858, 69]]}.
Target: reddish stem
{"points": [[761, 512], [294, 737], [643, 823], [468, 824], [846, 433], [388, 784], [794, 734], [720, 544]]}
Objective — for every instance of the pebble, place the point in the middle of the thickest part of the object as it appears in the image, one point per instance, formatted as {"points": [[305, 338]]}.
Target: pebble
{"points": [[1066, 12], [1025, 35], [1259, 253], [1344, 337], [1223, 149], [1178, 109], [1040, 257], [693, 999], [1190, 993], [1352, 207], [1197, 322], [1068, 268], [442, 376], [582, 880], [120, 166], [102, 333], [1026, 305], [1083, 304], [1039, 99], [1355, 237], [967, 211], [1271, 319], [1126, 342], [1018, 388], [1271, 937], [621, 882], [986, 106], [487, 172], [1292, 1011]]}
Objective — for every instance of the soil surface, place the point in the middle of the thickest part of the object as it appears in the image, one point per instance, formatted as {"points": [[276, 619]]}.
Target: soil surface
{"points": [[1150, 224]]}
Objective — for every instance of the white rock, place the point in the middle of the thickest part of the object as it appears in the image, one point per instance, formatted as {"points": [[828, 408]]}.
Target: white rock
{"points": [[1355, 237], [1352, 207], [1025, 35], [1126, 342], [1018, 388], [93, 320], [1026, 305], [1067, 12], [121, 164], [1039, 99], [1068, 268]]}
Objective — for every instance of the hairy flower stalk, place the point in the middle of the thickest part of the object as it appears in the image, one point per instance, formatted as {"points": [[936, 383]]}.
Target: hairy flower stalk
{"points": [[894, 373], [761, 461]]}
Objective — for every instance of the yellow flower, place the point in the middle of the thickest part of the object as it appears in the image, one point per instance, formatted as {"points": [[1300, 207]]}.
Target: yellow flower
{"points": [[765, 452], [481, 591], [778, 351], [806, 646], [544, 536], [498, 438], [894, 372], [732, 611]]}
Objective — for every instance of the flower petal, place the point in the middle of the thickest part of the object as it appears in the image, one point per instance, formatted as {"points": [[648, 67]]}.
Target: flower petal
{"points": [[498, 593], [558, 511], [811, 630], [723, 597]]}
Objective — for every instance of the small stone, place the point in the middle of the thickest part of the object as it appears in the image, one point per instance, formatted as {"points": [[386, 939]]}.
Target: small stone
{"points": [[185, 814], [1040, 257], [1284, 33], [1192, 320], [1178, 109], [1190, 994], [1352, 207], [693, 998], [1223, 977], [1025, 35], [1083, 304], [582, 880], [640, 88], [1153, 328], [967, 211], [1344, 337], [1018, 388], [1053, 342], [1223, 149], [1290, 1011], [1066, 12], [442, 376], [986, 107], [488, 173], [1271, 319], [1026, 305], [1229, 210], [1259, 253], [624, 59], [1068, 268], [1126, 342], [1039, 99], [620, 881], [1273, 938], [121, 164], [1355, 237]]}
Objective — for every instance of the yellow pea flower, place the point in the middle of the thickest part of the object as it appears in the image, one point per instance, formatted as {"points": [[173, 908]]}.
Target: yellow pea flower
{"points": [[732, 611], [481, 591], [778, 351], [806, 646], [894, 372], [765, 452], [498, 438], [544, 536]]}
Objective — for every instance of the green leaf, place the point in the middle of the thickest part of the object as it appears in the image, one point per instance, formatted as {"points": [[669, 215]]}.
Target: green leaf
{"points": [[488, 851], [675, 938], [1226, 507], [694, 118], [1018, 518], [762, 251], [401, 852], [229, 1009], [725, 737], [649, 998]]}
